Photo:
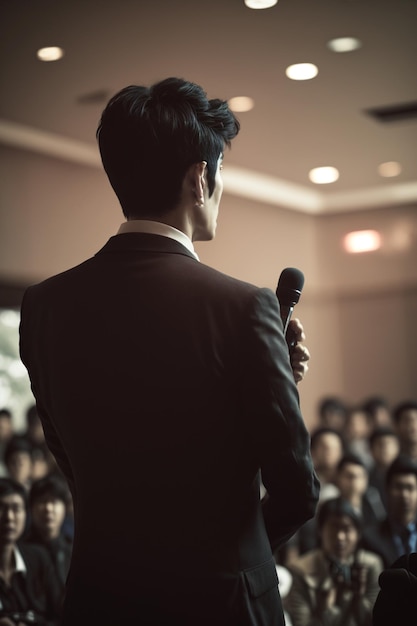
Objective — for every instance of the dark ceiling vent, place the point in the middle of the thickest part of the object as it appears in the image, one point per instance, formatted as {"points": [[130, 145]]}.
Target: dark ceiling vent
{"points": [[394, 113]]}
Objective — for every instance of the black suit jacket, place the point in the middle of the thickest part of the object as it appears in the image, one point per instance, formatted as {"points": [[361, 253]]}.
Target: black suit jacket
{"points": [[379, 539], [35, 593], [164, 386]]}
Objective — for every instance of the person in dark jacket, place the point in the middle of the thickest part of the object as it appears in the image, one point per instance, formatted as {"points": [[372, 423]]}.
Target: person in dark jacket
{"points": [[49, 500], [396, 534], [195, 367], [29, 593]]}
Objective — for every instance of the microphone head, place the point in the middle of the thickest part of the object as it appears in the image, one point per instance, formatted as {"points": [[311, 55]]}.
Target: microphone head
{"points": [[290, 285]]}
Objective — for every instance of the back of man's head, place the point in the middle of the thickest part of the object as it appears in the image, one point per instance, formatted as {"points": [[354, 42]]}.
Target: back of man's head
{"points": [[397, 600], [149, 136]]}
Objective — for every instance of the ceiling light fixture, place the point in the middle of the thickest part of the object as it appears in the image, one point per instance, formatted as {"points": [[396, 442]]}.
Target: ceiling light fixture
{"points": [[241, 104], [260, 4], [302, 71], [362, 241], [389, 169], [344, 44], [323, 175], [51, 53]]}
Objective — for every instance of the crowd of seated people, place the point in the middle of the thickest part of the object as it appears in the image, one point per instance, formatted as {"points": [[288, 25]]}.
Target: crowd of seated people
{"points": [[36, 526], [366, 459]]}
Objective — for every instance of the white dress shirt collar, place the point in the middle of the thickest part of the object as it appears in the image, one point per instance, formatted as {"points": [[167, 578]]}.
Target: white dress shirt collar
{"points": [[157, 228]]}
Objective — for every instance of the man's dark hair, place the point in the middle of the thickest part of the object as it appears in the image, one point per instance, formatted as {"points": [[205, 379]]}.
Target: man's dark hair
{"points": [[18, 443], [373, 403], [331, 403], [51, 486], [5, 413], [325, 430], [350, 459], [32, 414], [378, 433], [400, 465], [338, 506], [149, 136], [399, 409], [9, 487], [396, 601]]}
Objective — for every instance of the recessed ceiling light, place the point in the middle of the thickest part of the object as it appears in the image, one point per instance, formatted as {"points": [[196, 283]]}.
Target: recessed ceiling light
{"points": [[389, 169], [362, 241], [260, 4], [323, 175], [302, 71], [51, 53], [344, 44], [241, 104]]}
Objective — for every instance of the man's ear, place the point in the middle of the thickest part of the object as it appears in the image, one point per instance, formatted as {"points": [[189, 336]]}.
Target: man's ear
{"points": [[197, 173]]}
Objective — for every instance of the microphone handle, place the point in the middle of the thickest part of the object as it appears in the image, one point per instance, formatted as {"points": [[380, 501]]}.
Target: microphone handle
{"points": [[286, 312]]}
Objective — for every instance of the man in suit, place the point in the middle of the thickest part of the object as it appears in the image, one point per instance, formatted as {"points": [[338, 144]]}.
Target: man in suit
{"points": [[194, 368], [396, 535], [29, 592]]}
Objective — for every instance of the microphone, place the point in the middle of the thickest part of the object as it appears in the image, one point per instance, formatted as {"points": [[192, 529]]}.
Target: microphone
{"points": [[288, 292]]}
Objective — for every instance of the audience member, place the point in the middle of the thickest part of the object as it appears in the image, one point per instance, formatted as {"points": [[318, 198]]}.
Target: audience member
{"points": [[332, 412], [6, 433], [378, 411], [49, 499], [396, 534], [384, 447], [336, 583], [352, 480], [397, 599], [405, 424], [18, 460], [28, 590], [34, 428], [356, 434], [326, 452]]}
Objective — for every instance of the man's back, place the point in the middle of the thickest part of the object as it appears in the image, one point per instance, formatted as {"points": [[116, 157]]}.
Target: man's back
{"points": [[164, 386]]}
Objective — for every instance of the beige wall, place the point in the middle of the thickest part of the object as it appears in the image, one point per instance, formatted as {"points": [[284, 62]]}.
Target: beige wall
{"points": [[359, 311]]}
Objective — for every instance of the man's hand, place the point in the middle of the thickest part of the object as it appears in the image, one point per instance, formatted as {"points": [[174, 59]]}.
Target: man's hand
{"points": [[299, 354]]}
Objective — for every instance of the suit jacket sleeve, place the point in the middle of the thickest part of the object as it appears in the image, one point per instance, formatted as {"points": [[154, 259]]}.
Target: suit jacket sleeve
{"points": [[276, 427], [28, 330]]}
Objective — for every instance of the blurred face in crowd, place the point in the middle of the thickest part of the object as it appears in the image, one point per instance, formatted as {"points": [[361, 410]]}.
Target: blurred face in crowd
{"points": [[382, 416], [357, 425], [385, 449], [48, 514], [20, 467], [6, 429], [334, 418], [352, 480], [12, 518], [402, 498], [327, 451], [35, 431], [407, 426], [339, 537]]}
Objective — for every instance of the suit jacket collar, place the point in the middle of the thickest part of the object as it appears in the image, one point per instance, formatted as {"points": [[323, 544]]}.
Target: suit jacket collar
{"points": [[144, 242]]}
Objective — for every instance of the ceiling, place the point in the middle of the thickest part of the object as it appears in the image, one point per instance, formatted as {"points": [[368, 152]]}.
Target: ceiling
{"points": [[230, 50]]}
